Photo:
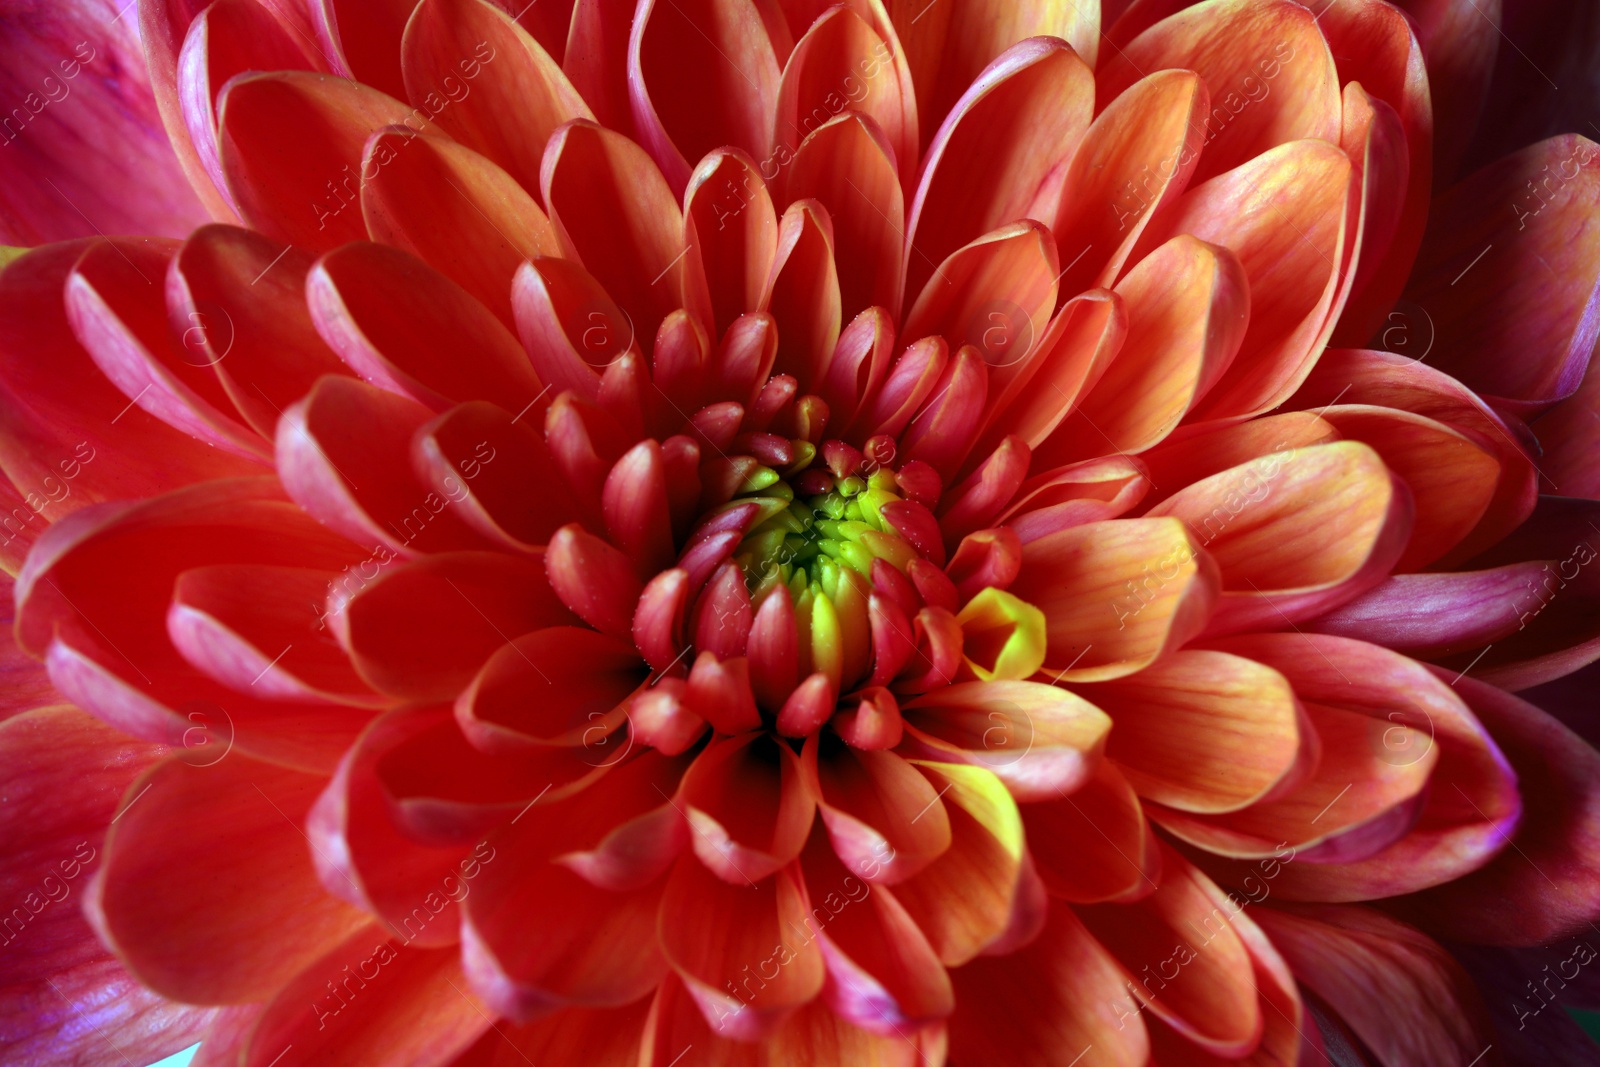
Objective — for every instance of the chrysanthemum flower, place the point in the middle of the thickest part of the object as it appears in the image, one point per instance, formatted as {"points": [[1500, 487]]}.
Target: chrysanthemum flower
{"points": [[776, 532]]}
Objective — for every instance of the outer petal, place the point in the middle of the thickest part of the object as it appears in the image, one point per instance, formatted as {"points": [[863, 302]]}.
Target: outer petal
{"points": [[1542, 888], [229, 910], [1472, 801], [102, 163], [68, 1000], [1403, 995], [395, 1006], [1241, 48], [1481, 272], [68, 437]]}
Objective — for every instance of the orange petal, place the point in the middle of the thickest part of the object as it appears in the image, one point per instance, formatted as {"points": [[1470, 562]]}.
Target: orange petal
{"points": [[842, 63], [749, 805], [1048, 1004], [453, 209], [963, 900], [597, 60], [1147, 578], [1202, 731], [1358, 800], [1092, 491], [995, 294], [226, 39], [121, 666], [364, 39], [570, 328], [882, 974], [499, 474], [1296, 533], [1185, 924], [748, 971], [259, 627], [1451, 476], [848, 166], [120, 318], [1139, 154], [411, 347], [604, 1037], [880, 812], [947, 49], [1290, 1033], [238, 301], [734, 229], [702, 74], [1393, 381], [616, 215], [536, 936], [487, 83], [1269, 71], [802, 293], [1414, 717], [340, 456], [1194, 456], [395, 1004], [1095, 845], [364, 857], [1188, 306], [423, 629], [815, 1036], [261, 898], [291, 146], [562, 686], [1016, 123], [1039, 392], [1293, 246], [1039, 740], [1388, 136]]}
